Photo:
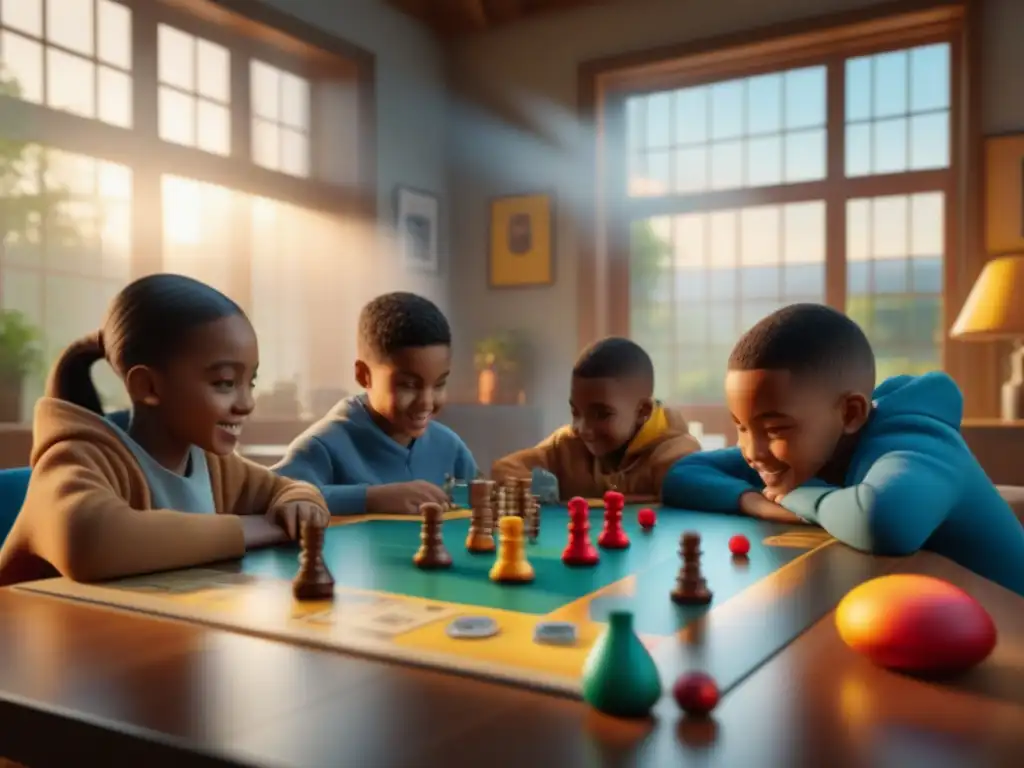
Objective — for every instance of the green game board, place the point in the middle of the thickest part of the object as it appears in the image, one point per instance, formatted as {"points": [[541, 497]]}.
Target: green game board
{"points": [[377, 555]]}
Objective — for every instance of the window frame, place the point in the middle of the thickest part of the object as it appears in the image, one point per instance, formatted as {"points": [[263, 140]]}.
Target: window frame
{"points": [[247, 30], [605, 85]]}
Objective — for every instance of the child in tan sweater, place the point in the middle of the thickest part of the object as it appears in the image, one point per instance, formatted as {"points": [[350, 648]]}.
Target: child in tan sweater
{"points": [[620, 436], [166, 490]]}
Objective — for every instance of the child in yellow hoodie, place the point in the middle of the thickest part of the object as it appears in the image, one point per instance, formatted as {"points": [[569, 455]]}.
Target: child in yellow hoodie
{"points": [[620, 436], [165, 490]]}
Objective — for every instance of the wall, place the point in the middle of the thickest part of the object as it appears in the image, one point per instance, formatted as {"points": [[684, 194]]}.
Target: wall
{"points": [[412, 123], [530, 69]]}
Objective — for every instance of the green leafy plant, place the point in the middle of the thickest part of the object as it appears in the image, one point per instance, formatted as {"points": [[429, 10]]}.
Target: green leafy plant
{"points": [[21, 347], [501, 352], [28, 206]]}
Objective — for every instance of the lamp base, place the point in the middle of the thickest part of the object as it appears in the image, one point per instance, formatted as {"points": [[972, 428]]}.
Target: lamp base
{"points": [[1013, 388]]}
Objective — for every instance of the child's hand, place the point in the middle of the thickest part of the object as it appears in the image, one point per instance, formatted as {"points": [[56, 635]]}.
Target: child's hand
{"points": [[545, 485], [773, 495], [755, 504], [290, 516], [403, 498]]}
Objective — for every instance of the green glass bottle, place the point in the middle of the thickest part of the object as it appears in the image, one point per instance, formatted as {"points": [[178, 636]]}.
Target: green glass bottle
{"points": [[619, 676]]}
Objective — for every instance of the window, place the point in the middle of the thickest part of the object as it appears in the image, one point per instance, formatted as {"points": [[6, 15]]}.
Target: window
{"points": [[70, 254], [268, 267], [195, 91], [280, 120], [752, 132], [894, 278], [728, 187], [171, 180], [897, 111], [198, 230], [71, 55]]}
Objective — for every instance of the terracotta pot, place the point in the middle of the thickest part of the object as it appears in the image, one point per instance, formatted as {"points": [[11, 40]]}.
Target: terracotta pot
{"points": [[487, 386]]}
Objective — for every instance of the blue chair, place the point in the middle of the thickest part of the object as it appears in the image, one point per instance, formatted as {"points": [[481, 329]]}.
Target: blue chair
{"points": [[13, 486]]}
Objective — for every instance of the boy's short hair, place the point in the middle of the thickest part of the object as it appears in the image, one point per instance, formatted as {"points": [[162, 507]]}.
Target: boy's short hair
{"points": [[400, 320], [615, 358], [808, 339]]}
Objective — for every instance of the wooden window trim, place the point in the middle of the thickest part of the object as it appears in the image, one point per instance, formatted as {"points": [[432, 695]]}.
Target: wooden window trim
{"points": [[303, 50], [603, 274]]}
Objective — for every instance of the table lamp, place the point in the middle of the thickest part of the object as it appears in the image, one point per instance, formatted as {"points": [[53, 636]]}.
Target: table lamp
{"points": [[994, 311]]}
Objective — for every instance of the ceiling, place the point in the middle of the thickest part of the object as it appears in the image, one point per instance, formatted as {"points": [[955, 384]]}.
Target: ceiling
{"points": [[461, 17]]}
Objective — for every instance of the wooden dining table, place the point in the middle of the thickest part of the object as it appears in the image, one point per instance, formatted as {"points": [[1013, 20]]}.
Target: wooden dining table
{"points": [[86, 685]]}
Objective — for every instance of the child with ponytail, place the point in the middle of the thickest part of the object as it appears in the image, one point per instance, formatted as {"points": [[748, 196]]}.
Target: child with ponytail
{"points": [[167, 490]]}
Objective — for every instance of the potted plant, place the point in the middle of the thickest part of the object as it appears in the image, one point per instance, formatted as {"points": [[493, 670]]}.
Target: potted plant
{"points": [[498, 360], [21, 356]]}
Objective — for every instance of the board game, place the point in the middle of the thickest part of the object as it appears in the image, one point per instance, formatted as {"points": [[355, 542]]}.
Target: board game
{"points": [[385, 607]]}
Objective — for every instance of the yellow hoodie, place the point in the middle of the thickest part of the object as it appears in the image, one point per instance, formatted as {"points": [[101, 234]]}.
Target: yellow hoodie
{"points": [[88, 513], [661, 442]]}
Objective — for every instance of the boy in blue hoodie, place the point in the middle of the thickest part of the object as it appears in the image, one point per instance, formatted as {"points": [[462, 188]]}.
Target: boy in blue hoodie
{"points": [[381, 452], [884, 471]]}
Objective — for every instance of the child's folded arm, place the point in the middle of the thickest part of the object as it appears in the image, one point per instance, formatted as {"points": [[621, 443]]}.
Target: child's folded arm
{"points": [[710, 481], [81, 524], [521, 464], [465, 465], [252, 489], [903, 498], [309, 460]]}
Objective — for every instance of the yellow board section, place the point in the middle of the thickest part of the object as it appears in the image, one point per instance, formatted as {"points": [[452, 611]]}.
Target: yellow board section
{"points": [[513, 646]]}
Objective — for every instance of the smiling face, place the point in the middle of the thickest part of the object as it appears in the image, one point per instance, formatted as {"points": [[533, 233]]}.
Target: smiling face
{"points": [[204, 394], [408, 389], [788, 427], [607, 412]]}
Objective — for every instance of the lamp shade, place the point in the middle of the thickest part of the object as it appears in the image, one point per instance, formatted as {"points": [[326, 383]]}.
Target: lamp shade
{"points": [[994, 310]]}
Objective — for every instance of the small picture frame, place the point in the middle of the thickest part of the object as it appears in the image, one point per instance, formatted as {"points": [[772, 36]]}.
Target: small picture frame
{"points": [[1004, 194], [521, 241], [417, 229]]}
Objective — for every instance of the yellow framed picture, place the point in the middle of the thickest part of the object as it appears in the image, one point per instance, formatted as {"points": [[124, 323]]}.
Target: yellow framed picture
{"points": [[1004, 194], [521, 240]]}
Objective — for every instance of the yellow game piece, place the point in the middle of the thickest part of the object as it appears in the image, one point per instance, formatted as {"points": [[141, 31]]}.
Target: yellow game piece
{"points": [[511, 564]]}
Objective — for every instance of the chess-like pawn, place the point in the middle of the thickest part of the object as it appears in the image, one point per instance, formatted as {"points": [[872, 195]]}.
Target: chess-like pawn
{"points": [[691, 588], [449, 489], [613, 536], [313, 581], [579, 550], [481, 524], [432, 553], [511, 564]]}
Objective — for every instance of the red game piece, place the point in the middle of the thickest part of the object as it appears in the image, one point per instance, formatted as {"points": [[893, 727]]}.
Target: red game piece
{"points": [[646, 518], [696, 693], [739, 545], [579, 550], [613, 536]]}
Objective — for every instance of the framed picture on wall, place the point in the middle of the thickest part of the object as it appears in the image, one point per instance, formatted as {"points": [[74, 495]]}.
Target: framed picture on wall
{"points": [[417, 225], [1004, 194], [521, 241]]}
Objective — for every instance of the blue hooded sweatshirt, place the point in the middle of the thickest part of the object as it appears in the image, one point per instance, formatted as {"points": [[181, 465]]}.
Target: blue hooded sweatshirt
{"points": [[912, 484], [346, 452]]}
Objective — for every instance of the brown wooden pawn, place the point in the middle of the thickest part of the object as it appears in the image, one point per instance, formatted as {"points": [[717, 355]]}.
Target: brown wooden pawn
{"points": [[432, 553], [481, 525], [691, 588], [313, 581]]}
